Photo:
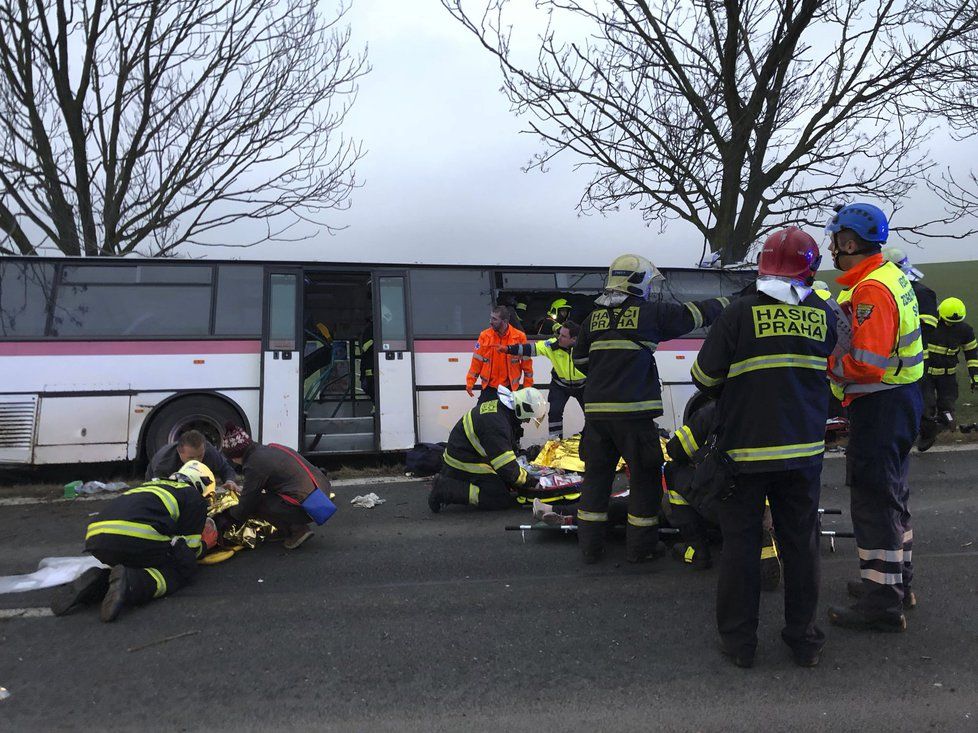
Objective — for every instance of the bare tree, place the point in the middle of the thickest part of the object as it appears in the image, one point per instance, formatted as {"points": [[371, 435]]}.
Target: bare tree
{"points": [[139, 126], [733, 115]]}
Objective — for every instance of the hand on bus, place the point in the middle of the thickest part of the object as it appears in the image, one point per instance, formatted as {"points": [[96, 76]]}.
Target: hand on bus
{"points": [[231, 486], [469, 391]]}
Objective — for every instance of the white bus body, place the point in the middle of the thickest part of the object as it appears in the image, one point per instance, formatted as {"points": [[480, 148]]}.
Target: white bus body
{"points": [[108, 360]]}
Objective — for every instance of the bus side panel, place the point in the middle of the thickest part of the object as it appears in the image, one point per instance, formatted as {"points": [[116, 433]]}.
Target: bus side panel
{"points": [[675, 359]]}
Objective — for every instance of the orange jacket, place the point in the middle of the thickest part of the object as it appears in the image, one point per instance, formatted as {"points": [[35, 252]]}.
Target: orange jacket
{"points": [[875, 324], [496, 369]]}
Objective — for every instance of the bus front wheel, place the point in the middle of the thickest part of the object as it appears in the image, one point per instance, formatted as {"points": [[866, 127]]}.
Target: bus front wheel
{"points": [[206, 414]]}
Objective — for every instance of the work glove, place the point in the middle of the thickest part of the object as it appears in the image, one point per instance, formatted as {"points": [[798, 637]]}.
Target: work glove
{"points": [[209, 535]]}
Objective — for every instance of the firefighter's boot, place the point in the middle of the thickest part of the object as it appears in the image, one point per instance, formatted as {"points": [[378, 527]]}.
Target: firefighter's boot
{"points": [[116, 596], [86, 589], [697, 555], [446, 490]]}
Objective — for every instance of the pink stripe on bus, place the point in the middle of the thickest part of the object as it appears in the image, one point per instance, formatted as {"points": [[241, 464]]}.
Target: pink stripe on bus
{"points": [[126, 348], [450, 347]]}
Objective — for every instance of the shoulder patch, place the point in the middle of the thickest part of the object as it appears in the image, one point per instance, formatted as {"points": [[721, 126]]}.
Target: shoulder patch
{"points": [[488, 407], [863, 312], [476, 346]]}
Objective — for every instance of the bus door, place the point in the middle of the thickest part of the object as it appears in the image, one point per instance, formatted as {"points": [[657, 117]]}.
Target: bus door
{"points": [[393, 362], [281, 385]]}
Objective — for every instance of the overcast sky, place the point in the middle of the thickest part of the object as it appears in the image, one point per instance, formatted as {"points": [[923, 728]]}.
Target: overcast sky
{"points": [[442, 179]]}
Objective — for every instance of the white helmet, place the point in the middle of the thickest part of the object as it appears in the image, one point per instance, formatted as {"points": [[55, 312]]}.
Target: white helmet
{"points": [[530, 404], [632, 274], [899, 258]]}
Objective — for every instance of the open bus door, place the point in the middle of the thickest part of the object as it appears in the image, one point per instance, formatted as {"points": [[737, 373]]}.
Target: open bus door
{"points": [[281, 362], [394, 362]]}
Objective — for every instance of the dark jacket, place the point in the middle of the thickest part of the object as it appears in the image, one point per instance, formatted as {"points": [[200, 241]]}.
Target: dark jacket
{"points": [[947, 341], [767, 361], [153, 513], [483, 443], [927, 307], [275, 469], [615, 350], [689, 478], [167, 462]]}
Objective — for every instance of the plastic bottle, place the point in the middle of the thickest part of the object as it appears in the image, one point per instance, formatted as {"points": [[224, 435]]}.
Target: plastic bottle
{"points": [[71, 490]]}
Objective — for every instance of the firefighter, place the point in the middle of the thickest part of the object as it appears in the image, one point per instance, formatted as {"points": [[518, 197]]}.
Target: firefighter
{"points": [[766, 357], [691, 493], [876, 379], [557, 314], [927, 307], [951, 337], [566, 380], [480, 466], [494, 369], [622, 398], [151, 536]]}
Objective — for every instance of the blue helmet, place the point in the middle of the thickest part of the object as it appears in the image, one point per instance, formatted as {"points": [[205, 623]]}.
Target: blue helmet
{"points": [[866, 220]]}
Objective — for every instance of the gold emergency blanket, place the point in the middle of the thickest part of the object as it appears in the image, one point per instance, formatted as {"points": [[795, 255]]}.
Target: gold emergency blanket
{"points": [[249, 534], [565, 454]]}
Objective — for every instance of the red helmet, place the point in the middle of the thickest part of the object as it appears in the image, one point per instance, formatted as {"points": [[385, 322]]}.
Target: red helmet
{"points": [[789, 253]]}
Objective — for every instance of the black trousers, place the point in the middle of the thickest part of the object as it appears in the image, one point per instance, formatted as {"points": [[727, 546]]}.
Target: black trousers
{"points": [[282, 514], [154, 569], [558, 397], [794, 497], [481, 491], [940, 394], [882, 429], [603, 443]]}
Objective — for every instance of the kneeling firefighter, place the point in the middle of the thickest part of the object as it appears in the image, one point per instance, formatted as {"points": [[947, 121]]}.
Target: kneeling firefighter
{"points": [[151, 536], [480, 466]]}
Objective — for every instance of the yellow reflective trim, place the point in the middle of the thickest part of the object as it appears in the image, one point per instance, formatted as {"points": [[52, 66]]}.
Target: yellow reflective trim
{"points": [[160, 581], [467, 467], [778, 452], [689, 554], [367, 344], [941, 350], [973, 363], [583, 516], [192, 540], [768, 552], [676, 498], [696, 313], [686, 439], [928, 320], [473, 495], [643, 521], [700, 376], [778, 361], [971, 345], [168, 499], [470, 434], [619, 344], [622, 406], [502, 459], [127, 529]]}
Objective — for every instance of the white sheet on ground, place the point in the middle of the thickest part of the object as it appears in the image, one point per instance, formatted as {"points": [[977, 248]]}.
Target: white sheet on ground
{"points": [[51, 571]]}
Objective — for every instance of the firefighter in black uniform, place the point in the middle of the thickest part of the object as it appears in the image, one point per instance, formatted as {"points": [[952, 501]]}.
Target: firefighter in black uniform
{"points": [[950, 338], [692, 491], [927, 307], [151, 536], [766, 356], [622, 398], [480, 466]]}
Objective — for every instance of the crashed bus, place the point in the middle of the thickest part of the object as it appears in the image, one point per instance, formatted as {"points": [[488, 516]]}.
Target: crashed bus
{"points": [[110, 359]]}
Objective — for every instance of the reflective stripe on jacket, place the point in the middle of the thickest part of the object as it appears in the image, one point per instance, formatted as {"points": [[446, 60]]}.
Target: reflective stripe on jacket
{"points": [[886, 348], [564, 372], [493, 368], [483, 443], [767, 362], [159, 511], [948, 340]]}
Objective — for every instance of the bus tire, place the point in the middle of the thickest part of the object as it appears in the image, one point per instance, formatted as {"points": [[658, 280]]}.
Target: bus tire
{"points": [[194, 412]]}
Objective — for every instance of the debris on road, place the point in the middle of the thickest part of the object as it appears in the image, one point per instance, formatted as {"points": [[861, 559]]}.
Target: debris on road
{"points": [[51, 571], [164, 640], [367, 501], [4, 693]]}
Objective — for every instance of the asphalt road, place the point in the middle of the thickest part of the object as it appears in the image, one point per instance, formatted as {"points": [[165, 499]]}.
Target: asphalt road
{"points": [[396, 619]]}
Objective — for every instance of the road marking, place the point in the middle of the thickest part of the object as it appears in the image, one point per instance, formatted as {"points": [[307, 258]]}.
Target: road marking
{"points": [[38, 612]]}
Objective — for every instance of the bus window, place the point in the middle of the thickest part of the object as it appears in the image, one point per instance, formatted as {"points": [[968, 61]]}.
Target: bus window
{"points": [[111, 302], [25, 290], [281, 312], [591, 281], [393, 326], [450, 302], [529, 281], [239, 293]]}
